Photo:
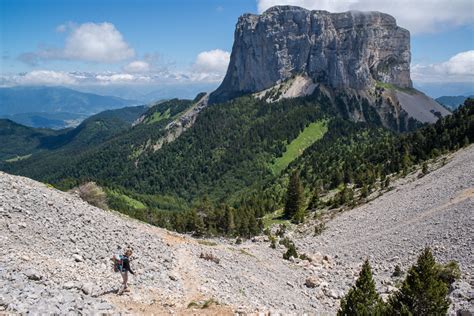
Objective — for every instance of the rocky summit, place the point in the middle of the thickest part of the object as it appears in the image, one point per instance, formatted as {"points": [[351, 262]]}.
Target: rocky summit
{"points": [[340, 50], [345, 55], [56, 252]]}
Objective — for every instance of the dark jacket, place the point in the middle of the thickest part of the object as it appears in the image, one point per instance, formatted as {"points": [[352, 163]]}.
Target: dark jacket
{"points": [[126, 265]]}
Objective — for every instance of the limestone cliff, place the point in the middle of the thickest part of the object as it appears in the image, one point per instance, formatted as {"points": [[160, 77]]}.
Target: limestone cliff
{"points": [[350, 53], [340, 50]]}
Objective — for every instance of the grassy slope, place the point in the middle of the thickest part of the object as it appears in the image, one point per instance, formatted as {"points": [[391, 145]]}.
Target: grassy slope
{"points": [[116, 197], [158, 116], [306, 138], [390, 86]]}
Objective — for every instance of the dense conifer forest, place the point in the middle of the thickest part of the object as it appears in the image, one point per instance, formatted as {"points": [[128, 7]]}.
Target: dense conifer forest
{"points": [[217, 179]]}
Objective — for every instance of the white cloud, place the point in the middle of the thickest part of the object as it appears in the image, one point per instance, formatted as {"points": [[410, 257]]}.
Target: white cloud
{"points": [[137, 66], [97, 42], [120, 78], [212, 62], [45, 77], [100, 42], [421, 16], [115, 77], [209, 67], [459, 68]]}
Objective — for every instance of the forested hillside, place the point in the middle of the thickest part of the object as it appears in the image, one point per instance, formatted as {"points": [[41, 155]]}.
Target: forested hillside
{"points": [[225, 164], [230, 148], [18, 141], [355, 156], [21, 142]]}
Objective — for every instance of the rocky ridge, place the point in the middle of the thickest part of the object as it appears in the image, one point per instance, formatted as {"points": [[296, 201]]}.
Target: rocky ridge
{"points": [[56, 251], [339, 50], [343, 55]]}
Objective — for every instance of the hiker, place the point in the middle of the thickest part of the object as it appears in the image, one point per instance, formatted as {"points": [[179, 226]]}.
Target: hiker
{"points": [[122, 265]]}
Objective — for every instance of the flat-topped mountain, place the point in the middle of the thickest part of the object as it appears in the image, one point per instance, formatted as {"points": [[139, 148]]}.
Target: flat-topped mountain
{"points": [[340, 50], [350, 53]]}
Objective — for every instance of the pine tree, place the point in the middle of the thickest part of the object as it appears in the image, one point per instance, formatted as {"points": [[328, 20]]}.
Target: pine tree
{"points": [[291, 251], [406, 161], [362, 298], [313, 204], [200, 227], [294, 196], [423, 292], [364, 192], [253, 225], [424, 169], [230, 222], [298, 218]]}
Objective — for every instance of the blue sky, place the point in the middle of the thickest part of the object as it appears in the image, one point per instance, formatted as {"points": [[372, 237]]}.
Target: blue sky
{"points": [[186, 41]]}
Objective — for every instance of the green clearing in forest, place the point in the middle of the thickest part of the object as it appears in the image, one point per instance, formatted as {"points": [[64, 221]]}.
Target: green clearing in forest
{"points": [[313, 132]]}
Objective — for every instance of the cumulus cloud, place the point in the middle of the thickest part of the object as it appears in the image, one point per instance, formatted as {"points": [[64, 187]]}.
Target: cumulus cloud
{"points": [[422, 16], [209, 67], [137, 66], [96, 42], [121, 78], [212, 62], [459, 68], [45, 77]]}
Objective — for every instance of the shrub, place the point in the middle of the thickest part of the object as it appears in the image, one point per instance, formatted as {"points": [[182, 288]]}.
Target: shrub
{"points": [[299, 216], [209, 303], [272, 242], [92, 194], [424, 168], [209, 257], [304, 256], [285, 242], [291, 252], [281, 230], [449, 272], [318, 229], [397, 272]]}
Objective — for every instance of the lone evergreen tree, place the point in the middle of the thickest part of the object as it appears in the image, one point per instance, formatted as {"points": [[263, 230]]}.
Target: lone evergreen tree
{"points": [[230, 221], [423, 292], [290, 252], [424, 169], [299, 216], [313, 204], [200, 226], [294, 196], [362, 298]]}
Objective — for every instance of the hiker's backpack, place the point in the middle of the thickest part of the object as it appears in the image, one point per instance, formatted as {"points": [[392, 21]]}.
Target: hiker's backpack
{"points": [[118, 263]]}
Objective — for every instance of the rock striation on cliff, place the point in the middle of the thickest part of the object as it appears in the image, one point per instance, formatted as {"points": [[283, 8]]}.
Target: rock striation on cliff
{"points": [[340, 50], [346, 55]]}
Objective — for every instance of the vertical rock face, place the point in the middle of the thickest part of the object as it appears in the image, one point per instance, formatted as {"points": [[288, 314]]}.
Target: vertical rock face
{"points": [[350, 50]]}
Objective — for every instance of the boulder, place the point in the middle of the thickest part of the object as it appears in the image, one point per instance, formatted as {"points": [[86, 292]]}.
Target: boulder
{"points": [[312, 282]]}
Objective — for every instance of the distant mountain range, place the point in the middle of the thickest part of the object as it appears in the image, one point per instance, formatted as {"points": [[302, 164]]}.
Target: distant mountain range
{"points": [[54, 107], [19, 142], [149, 94], [453, 102]]}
